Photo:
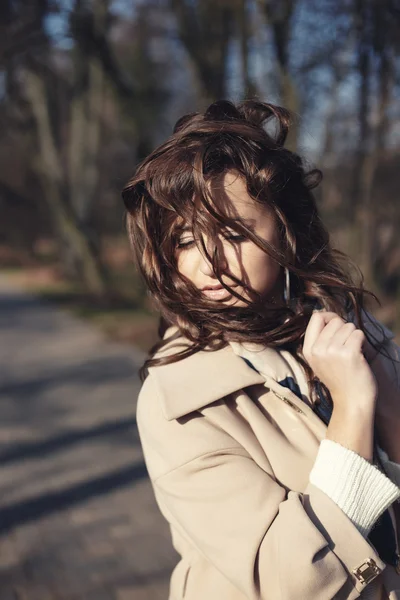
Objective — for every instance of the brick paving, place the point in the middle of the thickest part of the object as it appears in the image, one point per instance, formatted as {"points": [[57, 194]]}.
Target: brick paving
{"points": [[78, 520]]}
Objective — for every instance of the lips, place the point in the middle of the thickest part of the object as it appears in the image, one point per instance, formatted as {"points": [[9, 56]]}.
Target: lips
{"points": [[216, 292], [213, 287]]}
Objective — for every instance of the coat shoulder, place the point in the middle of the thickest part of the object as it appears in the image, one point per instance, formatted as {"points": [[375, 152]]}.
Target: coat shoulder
{"points": [[169, 443]]}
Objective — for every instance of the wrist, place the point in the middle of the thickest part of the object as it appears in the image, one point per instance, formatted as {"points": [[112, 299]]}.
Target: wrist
{"points": [[355, 406], [353, 427]]}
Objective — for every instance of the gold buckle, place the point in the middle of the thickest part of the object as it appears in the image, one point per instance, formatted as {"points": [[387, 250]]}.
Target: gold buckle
{"points": [[296, 408], [367, 571]]}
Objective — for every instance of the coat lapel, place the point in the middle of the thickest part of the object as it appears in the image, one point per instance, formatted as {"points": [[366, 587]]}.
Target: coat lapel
{"points": [[203, 378], [182, 387]]}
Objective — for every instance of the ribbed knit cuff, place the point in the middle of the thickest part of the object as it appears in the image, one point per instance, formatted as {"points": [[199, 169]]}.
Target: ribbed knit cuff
{"points": [[392, 469], [358, 487]]}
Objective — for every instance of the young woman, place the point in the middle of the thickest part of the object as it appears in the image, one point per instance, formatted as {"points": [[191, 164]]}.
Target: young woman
{"points": [[270, 409]]}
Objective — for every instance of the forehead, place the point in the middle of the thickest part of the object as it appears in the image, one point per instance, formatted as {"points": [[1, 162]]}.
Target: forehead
{"points": [[229, 194], [229, 191]]}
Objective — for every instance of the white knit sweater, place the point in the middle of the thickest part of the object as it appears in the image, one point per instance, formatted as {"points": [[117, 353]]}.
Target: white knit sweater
{"points": [[361, 490]]}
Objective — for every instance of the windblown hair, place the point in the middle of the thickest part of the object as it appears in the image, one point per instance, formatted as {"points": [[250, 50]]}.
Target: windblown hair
{"points": [[171, 188]]}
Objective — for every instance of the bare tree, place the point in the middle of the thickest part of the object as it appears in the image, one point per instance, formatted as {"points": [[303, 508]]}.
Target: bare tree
{"points": [[376, 42], [69, 182], [279, 15], [205, 29], [245, 36]]}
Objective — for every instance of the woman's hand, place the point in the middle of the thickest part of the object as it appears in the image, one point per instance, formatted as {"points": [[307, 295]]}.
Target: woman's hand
{"points": [[334, 351]]}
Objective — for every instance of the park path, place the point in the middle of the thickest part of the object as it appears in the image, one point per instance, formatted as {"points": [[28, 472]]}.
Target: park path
{"points": [[78, 520]]}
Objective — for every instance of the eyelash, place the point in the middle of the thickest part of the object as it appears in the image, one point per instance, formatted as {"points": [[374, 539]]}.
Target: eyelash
{"points": [[237, 238]]}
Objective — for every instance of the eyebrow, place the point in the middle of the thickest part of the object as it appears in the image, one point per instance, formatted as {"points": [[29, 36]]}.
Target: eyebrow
{"points": [[248, 222]]}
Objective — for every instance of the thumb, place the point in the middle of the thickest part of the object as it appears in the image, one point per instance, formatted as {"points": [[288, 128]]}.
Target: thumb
{"points": [[319, 319]]}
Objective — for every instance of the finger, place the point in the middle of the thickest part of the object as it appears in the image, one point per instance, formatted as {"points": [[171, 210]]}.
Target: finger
{"points": [[316, 324], [325, 314], [343, 333], [356, 340], [331, 330]]}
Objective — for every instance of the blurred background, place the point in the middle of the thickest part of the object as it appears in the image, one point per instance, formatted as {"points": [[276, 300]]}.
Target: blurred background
{"points": [[87, 89]]}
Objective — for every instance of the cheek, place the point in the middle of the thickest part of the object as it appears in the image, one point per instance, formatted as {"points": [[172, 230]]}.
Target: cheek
{"points": [[181, 263], [262, 270], [185, 264]]}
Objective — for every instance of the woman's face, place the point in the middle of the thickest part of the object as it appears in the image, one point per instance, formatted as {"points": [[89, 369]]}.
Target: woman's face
{"points": [[239, 257]]}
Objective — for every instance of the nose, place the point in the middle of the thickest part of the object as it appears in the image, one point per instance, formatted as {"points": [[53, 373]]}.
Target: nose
{"points": [[205, 266]]}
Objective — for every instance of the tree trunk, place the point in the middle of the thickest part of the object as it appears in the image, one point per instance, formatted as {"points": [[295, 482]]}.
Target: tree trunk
{"points": [[54, 186], [331, 195], [205, 29], [279, 16], [249, 87], [360, 172], [376, 133]]}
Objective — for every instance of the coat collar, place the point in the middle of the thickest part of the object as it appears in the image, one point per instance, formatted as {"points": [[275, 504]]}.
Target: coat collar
{"points": [[181, 385]]}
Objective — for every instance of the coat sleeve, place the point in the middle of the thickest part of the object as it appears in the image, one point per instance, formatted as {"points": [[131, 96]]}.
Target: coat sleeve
{"points": [[269, 543]]}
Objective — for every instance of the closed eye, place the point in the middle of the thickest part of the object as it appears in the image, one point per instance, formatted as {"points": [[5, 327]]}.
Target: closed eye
{"points": [[187, 243], [236, 238]]}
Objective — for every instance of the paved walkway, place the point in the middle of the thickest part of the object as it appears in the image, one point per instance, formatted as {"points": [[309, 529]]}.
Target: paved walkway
{"points": [[77, 516]]}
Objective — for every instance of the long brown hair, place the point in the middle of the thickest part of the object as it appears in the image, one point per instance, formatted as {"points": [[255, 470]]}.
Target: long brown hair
{"points": [[170, 188]]}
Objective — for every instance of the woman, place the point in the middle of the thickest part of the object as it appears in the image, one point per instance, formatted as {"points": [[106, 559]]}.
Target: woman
{"points": [[269, 409]]}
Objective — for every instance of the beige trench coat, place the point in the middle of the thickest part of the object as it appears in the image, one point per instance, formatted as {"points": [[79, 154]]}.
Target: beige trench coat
{"points": [[229, 456]]}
